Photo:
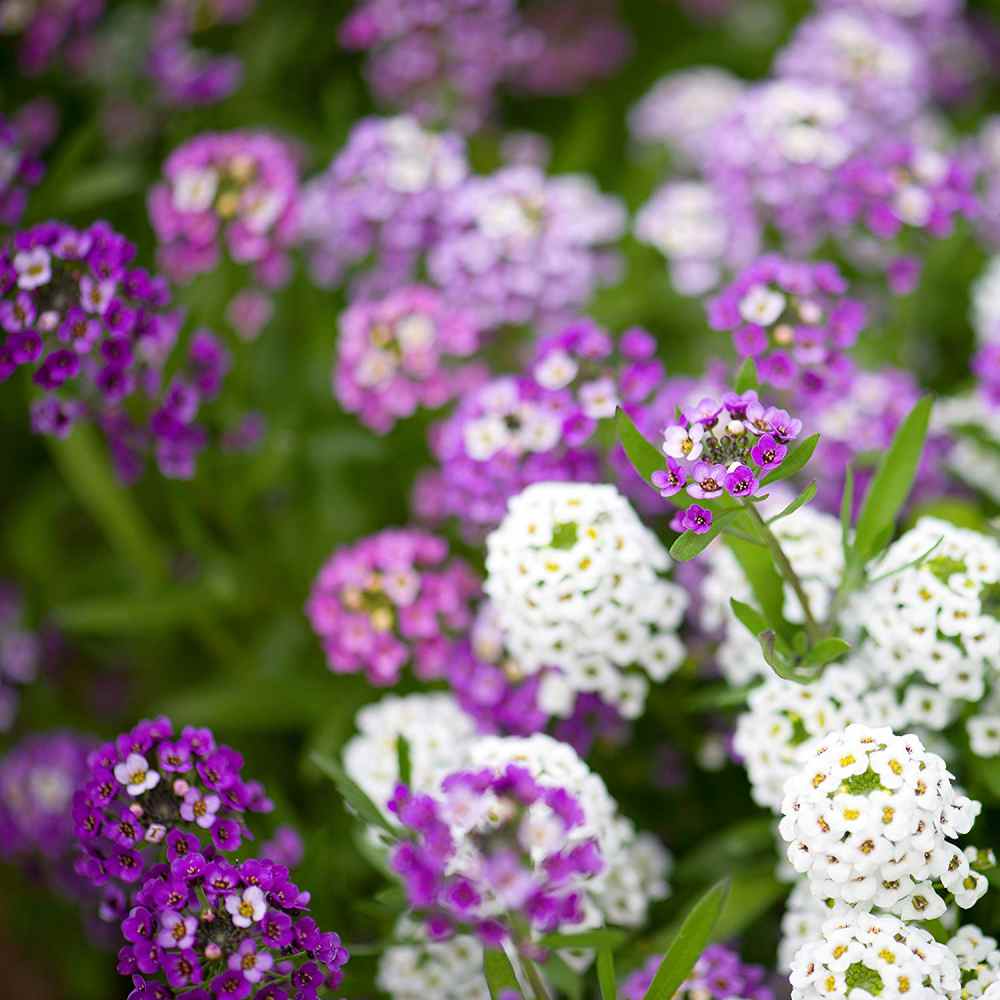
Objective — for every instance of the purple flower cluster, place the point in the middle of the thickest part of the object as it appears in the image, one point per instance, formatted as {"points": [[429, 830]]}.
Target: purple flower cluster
{"points": [[185, 75], [391, 599], [158, 806], [518, 430], [22, 138], [393, 356], [793, 318], [719, 974], [21, 652], [441, 60], [97, 334], [381, 199], [227, 932], [495, 845], [49, 28], [722, 447], [37, 779], [240, 189], [518, 247]]}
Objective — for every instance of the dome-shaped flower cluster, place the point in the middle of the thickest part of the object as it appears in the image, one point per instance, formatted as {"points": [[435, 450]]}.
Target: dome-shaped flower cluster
{"points": [[575, 580], [436, 731], [417, 968], [719, 974], [519, 247], [397, 353], [393, 598], [234, 189], [862, 953], [381, 198], [869, 817], [784, 719], [929, 621]]}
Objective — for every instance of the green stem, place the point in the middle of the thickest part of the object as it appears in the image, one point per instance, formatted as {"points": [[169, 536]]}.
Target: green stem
{"points": [[813, 629], [538, 988]]}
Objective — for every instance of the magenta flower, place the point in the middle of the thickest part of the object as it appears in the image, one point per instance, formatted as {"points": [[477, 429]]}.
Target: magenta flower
{"points": [[768, 453], [671, 480], [741, 482], [252, 963], [696, 519], [176, 931], [709, 481]]}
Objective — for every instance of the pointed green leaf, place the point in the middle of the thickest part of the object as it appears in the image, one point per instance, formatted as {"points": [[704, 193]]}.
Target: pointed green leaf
{"points": [[892, 483], [403, 759], [499, 973], [794, 461], [645, 457], [800, 501], [846, 511], [765, 581], [352, 794], [690, 941], [606, 975], [826, 651], [746, 377], [690, 544], [750, 617]]}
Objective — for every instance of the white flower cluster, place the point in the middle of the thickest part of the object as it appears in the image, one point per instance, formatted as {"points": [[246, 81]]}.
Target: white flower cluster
{"points": [[929, 621], [858, 953], [803, 920], [978, 959], [812, 542], [868, 818], [417, 968], [636, 864], [784, 720], [438, 733], [986, 303], [973, 458], [575, 580]]}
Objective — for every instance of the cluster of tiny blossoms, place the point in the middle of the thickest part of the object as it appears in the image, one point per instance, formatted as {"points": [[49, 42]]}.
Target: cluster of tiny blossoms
{"points": [[538, 427], [391, 599], [184, 74], [22, 139], [576, 583], [495, 843], [236, 188], [793, 319], [49, 29], [868, 818], [393, 355], [722, 446], [227, 932], [380, 200], [719, 974], [159, 805], [930, 620]]}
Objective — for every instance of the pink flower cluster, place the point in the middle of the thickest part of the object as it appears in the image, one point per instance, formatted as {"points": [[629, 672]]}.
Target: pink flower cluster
{"points": [[237, 189], [393, 356], [391, 599]]}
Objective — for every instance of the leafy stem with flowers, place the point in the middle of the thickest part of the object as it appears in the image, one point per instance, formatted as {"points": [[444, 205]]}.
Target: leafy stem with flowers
{"points": [[720, 454]]}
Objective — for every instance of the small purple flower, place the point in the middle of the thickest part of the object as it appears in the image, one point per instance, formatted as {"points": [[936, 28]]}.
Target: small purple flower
{"points": [[768, 453], [251, 962], [671, 480], [176, 931], [696, 519], [741, 482], [709, 481]]}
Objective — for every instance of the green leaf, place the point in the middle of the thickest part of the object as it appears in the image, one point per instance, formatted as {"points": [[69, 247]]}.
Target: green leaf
{"points": [[691, 544], [749, 616], [892, 483], [606, 975], [403, 759], [108, 183], [779, 658], [846, 510], [691, 940], [645, 458], [717, 696], [499, 973], [800, 501], [826, 651], [352, 793], [746, 377], [604, 937], [568, 983], [794, 461], [730, 849], [768, 588]]}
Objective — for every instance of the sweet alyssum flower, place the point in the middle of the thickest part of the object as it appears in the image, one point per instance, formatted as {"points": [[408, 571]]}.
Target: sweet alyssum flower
{"points": [[929, 619], [519, 247], [576, 582], [398, 353], [869, 818], [23, 137], [234, 189], [227, 932], [978, 960], [379, 202], [723, 446], [161, 805], [719, 974], [49, 28], [794, 319], [862, 953], [391, 599], [440, 61]]}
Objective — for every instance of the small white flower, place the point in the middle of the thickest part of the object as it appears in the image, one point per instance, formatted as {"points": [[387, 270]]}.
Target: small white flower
{"points": [[34, 268], [195, 189], [556, 370], [136, 775], [247, 909], [762, 305]]}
